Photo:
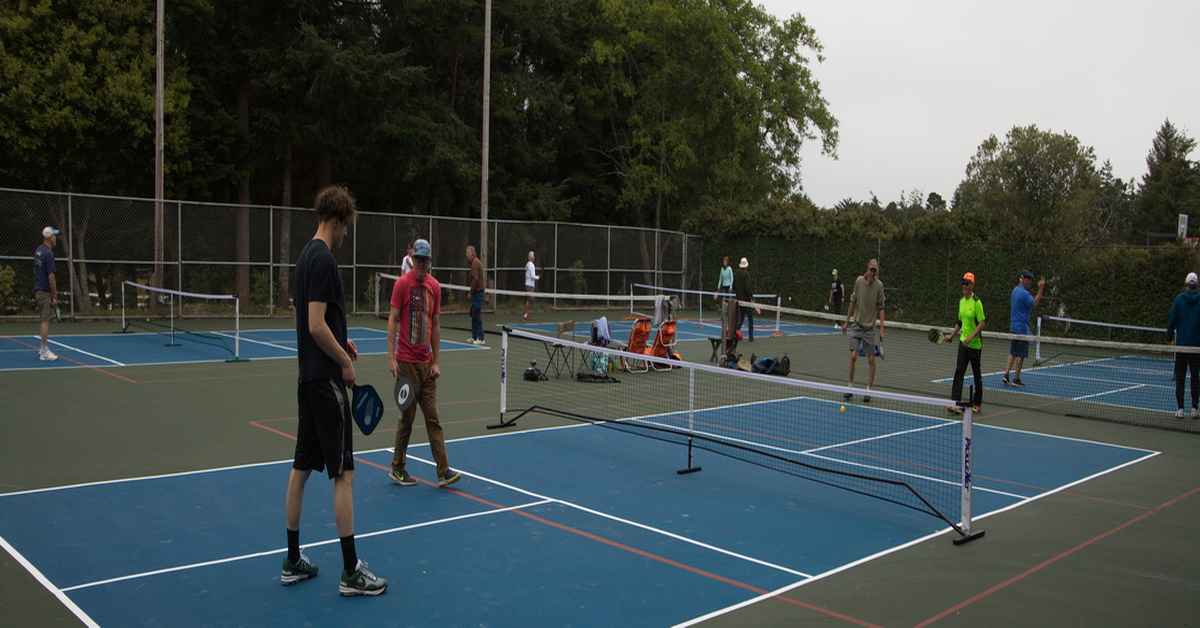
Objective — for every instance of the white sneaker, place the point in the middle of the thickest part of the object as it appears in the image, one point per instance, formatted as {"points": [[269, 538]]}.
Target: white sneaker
{"points": [[47, 355], [1196, 413], [1179, 413]]}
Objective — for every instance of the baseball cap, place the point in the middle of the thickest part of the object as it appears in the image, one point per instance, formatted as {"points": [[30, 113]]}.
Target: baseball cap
{"points": [[421, 248], [968, 278], [1192, 279], [49, 231], [835, 272], [745, 263], [1026, 273]]}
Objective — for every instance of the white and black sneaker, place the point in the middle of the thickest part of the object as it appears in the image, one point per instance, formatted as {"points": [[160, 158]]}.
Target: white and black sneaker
{"points": [[295, 571], [1179, 413], [46, 355], [361, 582]]}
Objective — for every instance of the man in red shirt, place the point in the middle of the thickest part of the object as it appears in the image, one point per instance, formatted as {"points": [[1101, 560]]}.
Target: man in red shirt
{"points": [[413, 336]]}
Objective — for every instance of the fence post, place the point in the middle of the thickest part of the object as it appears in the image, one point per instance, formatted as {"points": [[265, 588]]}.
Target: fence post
{"points": [[270, 260], [608, 263], [179, 244], [71, 253], [555, 282]]}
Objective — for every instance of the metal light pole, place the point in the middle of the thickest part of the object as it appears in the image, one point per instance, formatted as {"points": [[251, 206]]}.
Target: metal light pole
{"points": [[487, 111], [159, 223]]}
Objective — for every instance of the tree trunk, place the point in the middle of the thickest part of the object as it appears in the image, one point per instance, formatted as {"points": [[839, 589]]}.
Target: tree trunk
{"points": [[243, 212], [79, 291], [285, 232]]}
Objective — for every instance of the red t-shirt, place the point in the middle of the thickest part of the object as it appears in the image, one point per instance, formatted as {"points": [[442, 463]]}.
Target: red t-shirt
{"points": [[418, 304]]}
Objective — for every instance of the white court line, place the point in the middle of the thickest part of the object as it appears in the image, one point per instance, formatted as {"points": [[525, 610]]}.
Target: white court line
{"points": [[257, 342], [49, 586], [1008, 429], [207, 360], [87, 353], [1108, 392], [1100, 379], [282, 550], [677, 537], [880, 437], [170, 475], [891, 550]]}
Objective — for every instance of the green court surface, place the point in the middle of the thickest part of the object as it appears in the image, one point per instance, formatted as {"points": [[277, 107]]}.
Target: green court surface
{"points": [[1115, 550]]}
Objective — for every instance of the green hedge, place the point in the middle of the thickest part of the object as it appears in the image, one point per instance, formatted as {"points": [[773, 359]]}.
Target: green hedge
{"points": [[1126, 284]]}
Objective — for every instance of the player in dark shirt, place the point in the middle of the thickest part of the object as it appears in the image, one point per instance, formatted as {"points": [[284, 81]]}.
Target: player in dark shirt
{"points": [[326, 361]]}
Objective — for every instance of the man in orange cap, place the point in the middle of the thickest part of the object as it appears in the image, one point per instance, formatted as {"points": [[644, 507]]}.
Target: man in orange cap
{"points": [[969, 329]]}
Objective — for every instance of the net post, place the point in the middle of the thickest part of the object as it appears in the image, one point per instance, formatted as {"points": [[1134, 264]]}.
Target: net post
{"points": [[237, 331], [690, 468], [500, 422], [1037, 350], [778, 311], [124, 325], [171, 313], [966, 533]]}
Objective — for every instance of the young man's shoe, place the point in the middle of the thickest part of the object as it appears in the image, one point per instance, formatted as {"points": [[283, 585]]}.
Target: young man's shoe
{"points": [[295, 571], [361, 582]]}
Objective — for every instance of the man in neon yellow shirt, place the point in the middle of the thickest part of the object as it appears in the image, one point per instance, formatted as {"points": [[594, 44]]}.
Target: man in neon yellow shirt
{"points": [[969, 329]]}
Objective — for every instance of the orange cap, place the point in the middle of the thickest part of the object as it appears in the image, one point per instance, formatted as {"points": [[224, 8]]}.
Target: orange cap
{"points": [[969, 277]]}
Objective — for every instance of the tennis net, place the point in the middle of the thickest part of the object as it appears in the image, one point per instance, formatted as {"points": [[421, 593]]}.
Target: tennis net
{"points": [[1064, 327], [457, 299], [901, 449], [162, 311], [700, 305], [1102, 379]]}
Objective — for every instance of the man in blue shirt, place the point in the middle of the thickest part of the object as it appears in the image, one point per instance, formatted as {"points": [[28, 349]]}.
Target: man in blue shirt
{"points": [[1021, 305], [45, 288]]}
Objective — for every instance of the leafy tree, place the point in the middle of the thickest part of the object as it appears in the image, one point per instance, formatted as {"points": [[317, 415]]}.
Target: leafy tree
{"points": [[1171, 185], [1034, 186]]}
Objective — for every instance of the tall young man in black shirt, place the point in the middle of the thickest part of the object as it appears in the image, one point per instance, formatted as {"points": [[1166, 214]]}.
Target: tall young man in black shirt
{"points": [[326, 357]]}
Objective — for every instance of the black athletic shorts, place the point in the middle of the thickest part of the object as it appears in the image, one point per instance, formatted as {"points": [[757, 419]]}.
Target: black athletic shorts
{"points": [[325, 438]]}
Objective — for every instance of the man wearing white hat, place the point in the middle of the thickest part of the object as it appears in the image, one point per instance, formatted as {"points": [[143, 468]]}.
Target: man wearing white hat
{"points": [[743, 287], [45, 288], [1183, 327], [837, 292]]}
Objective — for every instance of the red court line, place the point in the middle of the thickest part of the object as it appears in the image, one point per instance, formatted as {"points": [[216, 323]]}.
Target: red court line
{"points": [[93, 367], [615, 544], [1054, 559]]}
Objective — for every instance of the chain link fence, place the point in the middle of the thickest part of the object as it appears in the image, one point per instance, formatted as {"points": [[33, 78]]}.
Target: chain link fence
{"points": [[249, 250]]}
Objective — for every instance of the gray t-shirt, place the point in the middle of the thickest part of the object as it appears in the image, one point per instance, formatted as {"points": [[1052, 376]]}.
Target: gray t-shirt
{"points": [[867, 301]]}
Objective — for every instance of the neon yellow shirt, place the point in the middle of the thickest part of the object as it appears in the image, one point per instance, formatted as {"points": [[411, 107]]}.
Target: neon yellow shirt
{"points": [[970, 314]]}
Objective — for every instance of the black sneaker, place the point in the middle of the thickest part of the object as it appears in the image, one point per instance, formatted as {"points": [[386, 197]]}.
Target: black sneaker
{"points": [[1005, 381], [401, 477], [361, 582], [295, 571], [866, 398], [847, 397], [449, 478], [1018, 383]]}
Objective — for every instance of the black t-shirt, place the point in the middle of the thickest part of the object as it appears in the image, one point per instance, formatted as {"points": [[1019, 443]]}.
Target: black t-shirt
{"points": [[317, 279], [743, 285], [837, 291]]}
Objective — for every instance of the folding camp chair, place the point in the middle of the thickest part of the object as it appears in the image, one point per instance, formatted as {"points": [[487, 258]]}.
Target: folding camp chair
{"points": [[638, 334]]}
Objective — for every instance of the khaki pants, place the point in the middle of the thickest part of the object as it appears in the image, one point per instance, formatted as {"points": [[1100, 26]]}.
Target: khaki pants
{"points": [[427, 400]]}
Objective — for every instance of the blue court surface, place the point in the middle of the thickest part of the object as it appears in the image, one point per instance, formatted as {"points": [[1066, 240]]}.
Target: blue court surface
{"points": [[18, 353], [576, 525], [1138, 382], [687, 330]]}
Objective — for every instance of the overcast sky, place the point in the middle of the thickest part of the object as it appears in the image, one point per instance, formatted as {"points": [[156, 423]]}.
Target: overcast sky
{"points": [[917, 85]]}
